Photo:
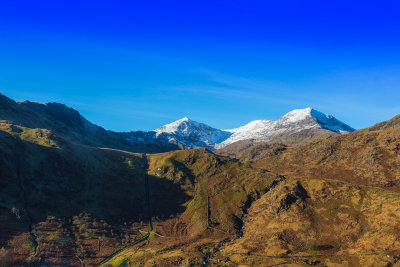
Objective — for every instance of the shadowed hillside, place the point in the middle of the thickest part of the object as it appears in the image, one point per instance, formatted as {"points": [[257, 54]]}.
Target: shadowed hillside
{"points": [[54, 194], [66, 203]]}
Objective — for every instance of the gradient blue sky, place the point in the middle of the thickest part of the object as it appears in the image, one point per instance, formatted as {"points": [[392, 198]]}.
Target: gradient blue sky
{"points": [[128, 65]]}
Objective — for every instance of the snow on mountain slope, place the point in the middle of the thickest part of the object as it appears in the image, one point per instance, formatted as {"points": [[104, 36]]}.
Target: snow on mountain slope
{"points": [[253, 130], [193, 134], [186, 133], [293, 122], [311, 118], [252, 127]]}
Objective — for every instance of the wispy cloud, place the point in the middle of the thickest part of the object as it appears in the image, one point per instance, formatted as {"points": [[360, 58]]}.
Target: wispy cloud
{"points": [[235, 87]]}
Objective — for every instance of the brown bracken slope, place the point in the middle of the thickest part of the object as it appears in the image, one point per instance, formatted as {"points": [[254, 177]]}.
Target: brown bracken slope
{"points": [[363, 157], [338, 206], [66, 202]]}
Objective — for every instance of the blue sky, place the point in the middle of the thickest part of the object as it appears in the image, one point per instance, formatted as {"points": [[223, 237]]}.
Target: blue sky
{"points": [[128, 65]]}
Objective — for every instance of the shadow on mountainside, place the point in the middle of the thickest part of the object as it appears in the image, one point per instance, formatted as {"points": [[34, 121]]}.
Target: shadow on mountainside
{"points": [[47, 190], [64, 203]]}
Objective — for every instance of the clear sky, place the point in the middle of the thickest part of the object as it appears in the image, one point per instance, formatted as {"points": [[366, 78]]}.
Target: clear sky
{"points": [[128, 65]]}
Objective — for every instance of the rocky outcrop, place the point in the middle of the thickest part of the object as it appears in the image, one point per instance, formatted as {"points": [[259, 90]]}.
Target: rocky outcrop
{"points": [[337, 222]]}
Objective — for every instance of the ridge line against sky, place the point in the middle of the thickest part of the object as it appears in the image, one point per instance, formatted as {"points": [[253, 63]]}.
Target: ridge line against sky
{"points": [[136, 66]]}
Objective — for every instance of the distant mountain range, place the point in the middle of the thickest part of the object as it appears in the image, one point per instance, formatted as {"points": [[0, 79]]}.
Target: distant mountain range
{"points": [[295, 125], [185, 133]]}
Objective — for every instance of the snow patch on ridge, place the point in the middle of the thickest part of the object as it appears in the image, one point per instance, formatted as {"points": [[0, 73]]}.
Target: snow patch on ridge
{"points": [[252, 126]]}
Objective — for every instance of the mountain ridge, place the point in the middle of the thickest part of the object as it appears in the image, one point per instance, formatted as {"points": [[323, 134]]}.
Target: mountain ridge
{"points": [[68, 123], [66, 203], [186, 133]]}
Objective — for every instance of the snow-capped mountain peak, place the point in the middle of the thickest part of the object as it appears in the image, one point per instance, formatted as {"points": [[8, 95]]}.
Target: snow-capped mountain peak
{"points": [[186, 133], [181, 125], [311, 118], [292, 123], [189, 133], [297, 115]]}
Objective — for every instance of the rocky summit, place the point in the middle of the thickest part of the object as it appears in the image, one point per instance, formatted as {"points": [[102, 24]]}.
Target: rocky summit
{"points": [[305, 190]]}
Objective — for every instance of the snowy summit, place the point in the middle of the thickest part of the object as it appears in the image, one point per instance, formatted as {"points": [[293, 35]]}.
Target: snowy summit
{"points": [[186, 133]]}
